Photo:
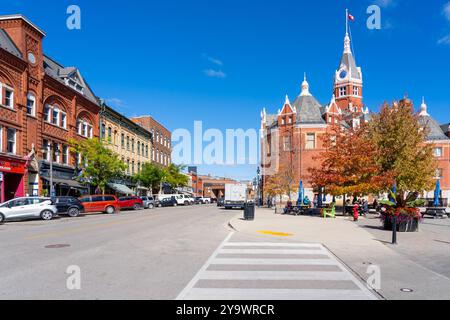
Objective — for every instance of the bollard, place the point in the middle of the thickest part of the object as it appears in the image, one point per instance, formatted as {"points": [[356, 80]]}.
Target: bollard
{"points": [[394, 230]]}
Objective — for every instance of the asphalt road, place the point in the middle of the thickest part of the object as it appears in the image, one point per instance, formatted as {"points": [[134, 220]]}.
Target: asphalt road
{"points": [[148, 254]]}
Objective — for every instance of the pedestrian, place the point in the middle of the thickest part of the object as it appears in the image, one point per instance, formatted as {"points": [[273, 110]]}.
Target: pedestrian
{"points": [[315, 201], [366, 207]]}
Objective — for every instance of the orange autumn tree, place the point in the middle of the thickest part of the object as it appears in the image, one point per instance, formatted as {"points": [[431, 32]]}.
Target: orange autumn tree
{"points": [[349, 165]]}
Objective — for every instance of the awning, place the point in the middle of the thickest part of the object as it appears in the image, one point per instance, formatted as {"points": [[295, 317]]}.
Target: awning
{"points": [[142, 188], [120, 188], [64, 182]]}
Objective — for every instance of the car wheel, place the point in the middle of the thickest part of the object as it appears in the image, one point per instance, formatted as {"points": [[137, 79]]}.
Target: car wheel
{"points": [[151, 206], [136, 206], [175, 204], [2, 218], [160, 205], [186, 203], [73, 212], [46, 215], [110, 210]]}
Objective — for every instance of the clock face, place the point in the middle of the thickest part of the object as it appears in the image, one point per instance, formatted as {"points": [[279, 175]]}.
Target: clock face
{"points": [[343, 74], [31, 58]]}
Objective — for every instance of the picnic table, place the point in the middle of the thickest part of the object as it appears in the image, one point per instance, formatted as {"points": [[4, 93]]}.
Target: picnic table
{"points": [[436, 212], [298, 210]]}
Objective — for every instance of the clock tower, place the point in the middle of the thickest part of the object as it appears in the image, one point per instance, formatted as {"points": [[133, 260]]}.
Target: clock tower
{"points": [[348, 82]]}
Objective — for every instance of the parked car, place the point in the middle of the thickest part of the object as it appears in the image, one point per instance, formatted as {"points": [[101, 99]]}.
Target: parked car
{"points": [[28, 208], [184, 199], [168, 202], [68, 206], [221, 202], [149, 202], [134, 203], [100, 203], [202, 200]]}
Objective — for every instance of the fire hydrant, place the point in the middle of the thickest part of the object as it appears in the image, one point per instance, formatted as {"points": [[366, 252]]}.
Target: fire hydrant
{"points": [[355, 213]]}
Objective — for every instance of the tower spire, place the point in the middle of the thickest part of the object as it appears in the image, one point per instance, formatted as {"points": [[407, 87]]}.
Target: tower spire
{"points": [[305, 87]]}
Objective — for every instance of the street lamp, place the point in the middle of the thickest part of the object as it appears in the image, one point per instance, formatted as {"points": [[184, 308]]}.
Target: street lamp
{"points": [[258, 186], [53, 151]]}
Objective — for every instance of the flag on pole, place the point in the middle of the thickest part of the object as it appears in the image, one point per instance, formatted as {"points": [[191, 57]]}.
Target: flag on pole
{"points": [[350, 17]]}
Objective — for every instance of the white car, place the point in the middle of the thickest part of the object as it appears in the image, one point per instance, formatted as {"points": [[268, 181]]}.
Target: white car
{"points": [[28, 208], [183, 199]]}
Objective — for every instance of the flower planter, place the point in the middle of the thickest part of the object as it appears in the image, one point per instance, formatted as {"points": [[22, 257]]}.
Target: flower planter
{"points": [[403, 224]]}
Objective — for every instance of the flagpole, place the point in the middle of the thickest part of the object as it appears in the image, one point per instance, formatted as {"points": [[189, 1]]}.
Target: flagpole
{"points": [[346, 21]]}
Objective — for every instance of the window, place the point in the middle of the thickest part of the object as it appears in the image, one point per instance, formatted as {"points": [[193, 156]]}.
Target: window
{"points": [[11, 140], [9, 97], [355, 91], [128, 143], [55, 116], [1, 139], [146, 151], [109, 134], [287, 143], [342, 91], [63, 120], [65, 155], [122, 140], [103, 131], [47, 113], [283, 121], [439, 173], [84, 128], [437, 152], [132, 168], [56, 152], [139, 167], [31, 104], [310, 141], [153, 154], [132, 145], [139, 148], [46, 145]]}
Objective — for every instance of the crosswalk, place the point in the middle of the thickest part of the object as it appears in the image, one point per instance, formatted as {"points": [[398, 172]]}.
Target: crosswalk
{"points": [[274, 271]]}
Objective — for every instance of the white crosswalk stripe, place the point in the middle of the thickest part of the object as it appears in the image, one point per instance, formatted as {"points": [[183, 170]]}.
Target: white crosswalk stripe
{"points": [[274, 271]]}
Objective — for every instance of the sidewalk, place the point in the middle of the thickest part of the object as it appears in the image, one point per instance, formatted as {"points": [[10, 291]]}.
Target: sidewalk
{"points": [[355, 247]]}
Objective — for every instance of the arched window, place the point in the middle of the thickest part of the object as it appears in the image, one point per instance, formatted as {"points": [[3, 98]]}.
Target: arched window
{"points": [[84, 128]]}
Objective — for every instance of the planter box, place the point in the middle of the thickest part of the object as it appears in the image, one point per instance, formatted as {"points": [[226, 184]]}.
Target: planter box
{"points": [[402, 226]]}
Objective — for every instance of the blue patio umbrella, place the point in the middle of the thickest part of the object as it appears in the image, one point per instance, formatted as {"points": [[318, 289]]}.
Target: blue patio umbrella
{"points": [[324, 197], [437, 194], [301, 194], [394, 191]]}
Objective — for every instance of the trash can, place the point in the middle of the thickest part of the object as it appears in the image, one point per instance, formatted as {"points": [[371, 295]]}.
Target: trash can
{"points": [[249, 211]]}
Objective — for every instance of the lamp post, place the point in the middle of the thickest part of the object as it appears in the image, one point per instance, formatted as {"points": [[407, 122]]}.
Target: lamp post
{"points": [[53, 151], [258, 186]]}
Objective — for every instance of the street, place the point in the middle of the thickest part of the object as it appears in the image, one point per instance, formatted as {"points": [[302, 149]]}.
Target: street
{"points": [[148, 254], [165, 253]]}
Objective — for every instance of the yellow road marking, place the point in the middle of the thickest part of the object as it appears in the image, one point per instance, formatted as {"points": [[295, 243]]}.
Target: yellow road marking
{"points": [[81, 229], [274, 233]]}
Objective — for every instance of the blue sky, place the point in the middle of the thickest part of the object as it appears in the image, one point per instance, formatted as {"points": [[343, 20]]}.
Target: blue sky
{"points": [[223, 61]]}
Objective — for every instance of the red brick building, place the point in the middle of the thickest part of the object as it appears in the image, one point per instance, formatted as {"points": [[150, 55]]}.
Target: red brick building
{"points": [[162, 140], [292, 137], [43, 104]]}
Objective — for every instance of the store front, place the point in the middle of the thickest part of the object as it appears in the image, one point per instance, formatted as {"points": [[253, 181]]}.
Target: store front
{"points": [[63, 181], [12, 171]]}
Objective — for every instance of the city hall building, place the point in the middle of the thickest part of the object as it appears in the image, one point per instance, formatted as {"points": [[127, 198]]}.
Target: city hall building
{"points": [[293, 137]]}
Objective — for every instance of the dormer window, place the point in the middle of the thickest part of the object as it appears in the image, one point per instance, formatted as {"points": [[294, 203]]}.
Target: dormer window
{"points": [[74, 85]]}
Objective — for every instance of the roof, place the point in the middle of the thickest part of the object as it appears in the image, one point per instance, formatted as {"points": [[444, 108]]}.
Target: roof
{"points": [[308, 110], [22, 17], [435, 130], [445, 128], [349, 61], [59, 72], [7, 44]]}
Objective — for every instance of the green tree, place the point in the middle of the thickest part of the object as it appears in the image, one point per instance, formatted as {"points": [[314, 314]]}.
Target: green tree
{"points": [[402, 150], [173, 175], [102, 164], [150, 176]]}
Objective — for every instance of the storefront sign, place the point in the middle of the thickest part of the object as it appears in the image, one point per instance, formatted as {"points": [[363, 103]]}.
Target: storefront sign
{"points": [[12, 167]]}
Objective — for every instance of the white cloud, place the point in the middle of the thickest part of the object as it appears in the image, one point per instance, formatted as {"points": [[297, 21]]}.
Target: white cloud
{"points": [[215, 73], [445, 40], [115, 102], [446, 11]]}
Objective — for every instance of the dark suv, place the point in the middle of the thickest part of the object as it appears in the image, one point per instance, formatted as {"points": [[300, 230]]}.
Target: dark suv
{"points": [[68, 206]]}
